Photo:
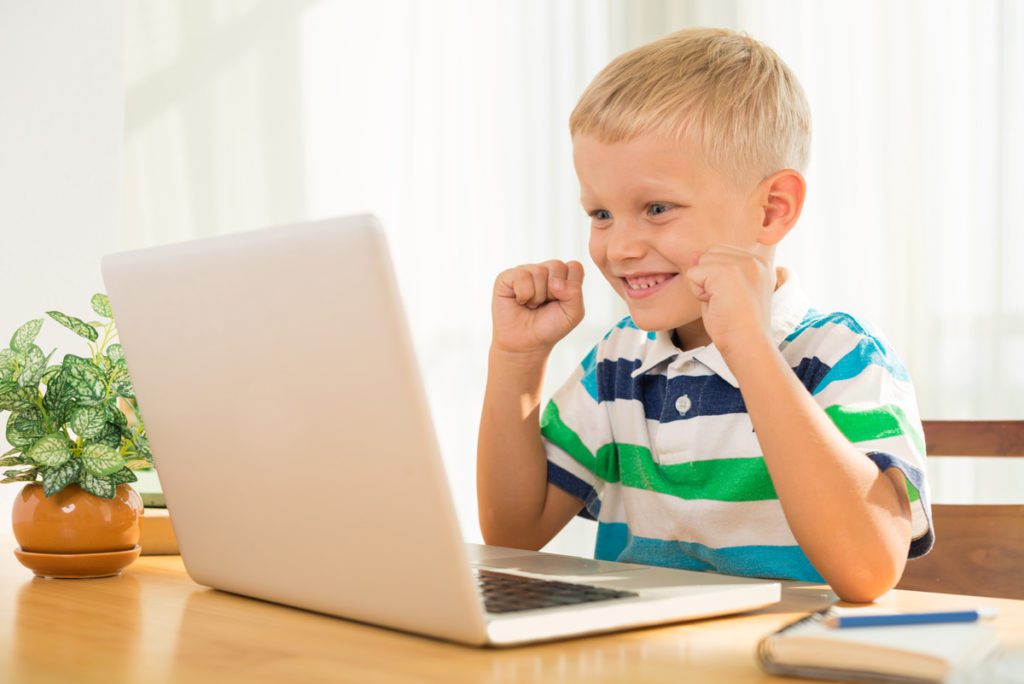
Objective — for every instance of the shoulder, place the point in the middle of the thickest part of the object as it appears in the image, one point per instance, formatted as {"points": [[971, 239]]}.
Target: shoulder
{"points": [[839, 345], [624, 341]]}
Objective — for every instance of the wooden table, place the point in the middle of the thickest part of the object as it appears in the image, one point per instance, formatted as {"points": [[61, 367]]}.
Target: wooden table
{"points": [[153, 624]]}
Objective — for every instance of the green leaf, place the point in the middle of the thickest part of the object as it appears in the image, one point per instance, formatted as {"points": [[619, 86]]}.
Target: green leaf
{"points": [[101, 305], [85, 381], [97, 486], [49, 373], [15, 450], [33, 367], [139, 464], [24, 428], [116, 416], [25, 399], [142, 444], [56, 479], [58, 400], [50, 450], [76, 325], [101, 460], [121, 382], [115, 352], [8, 364], [26, 335], [15, 398], [123, 476], [8, 461], [88, 421], [111, 436], [19, 476]]}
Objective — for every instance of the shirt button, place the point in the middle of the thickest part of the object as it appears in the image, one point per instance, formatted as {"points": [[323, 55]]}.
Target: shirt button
{"points": [[683, 404]]}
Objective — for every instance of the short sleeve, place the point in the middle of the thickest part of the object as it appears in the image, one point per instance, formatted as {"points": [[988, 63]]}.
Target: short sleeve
{"points": [[868, 395], [572, 427]]}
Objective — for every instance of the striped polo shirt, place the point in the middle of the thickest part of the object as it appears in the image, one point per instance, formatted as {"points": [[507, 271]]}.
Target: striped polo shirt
{"points": [[657, 443]]}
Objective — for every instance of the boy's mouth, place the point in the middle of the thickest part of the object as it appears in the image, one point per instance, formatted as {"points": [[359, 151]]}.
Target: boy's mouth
{"points": [[641, 285]]}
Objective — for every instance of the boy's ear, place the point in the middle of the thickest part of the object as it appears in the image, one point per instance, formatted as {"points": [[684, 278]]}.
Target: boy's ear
{"points": [[781, 196]]}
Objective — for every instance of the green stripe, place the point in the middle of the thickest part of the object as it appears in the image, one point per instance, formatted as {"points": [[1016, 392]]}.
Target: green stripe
{"points": [[876, 423], [912, 491], [723, 479], [560, 434]]}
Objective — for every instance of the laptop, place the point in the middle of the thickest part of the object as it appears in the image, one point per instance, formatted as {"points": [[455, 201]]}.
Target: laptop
{"points": [[289, 425]]}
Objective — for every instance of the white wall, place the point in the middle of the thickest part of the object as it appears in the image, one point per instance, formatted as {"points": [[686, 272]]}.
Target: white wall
{"points": [[61, 132]]}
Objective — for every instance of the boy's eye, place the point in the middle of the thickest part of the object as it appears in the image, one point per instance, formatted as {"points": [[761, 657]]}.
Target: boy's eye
{"points": [[601, 215], [656, 208]]}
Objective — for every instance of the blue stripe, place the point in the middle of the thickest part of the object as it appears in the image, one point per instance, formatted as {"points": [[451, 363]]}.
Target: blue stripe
{"points": [[867, 352], [589, 379], [574, 486], [816, 319], [709, 395], [614, 542], [811, 371]]}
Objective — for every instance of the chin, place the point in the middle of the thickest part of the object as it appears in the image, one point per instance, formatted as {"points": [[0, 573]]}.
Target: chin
{"points": [[652, 321]]}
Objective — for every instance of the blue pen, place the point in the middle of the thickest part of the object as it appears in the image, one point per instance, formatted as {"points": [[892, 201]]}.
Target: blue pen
{"points": [[891, 620]]}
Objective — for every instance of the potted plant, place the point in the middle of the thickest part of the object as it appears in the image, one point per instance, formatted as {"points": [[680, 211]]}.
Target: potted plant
{"points": [[76, 436]]}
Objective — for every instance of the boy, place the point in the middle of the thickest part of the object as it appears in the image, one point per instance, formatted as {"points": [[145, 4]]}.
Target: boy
{"points": [[724, 425]]}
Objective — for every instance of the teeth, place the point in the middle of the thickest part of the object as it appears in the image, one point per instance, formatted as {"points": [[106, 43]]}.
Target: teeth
{"points": [[644, 282]]}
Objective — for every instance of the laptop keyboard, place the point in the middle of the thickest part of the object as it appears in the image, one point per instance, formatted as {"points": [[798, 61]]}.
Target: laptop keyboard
{"points": [[505, 593]]}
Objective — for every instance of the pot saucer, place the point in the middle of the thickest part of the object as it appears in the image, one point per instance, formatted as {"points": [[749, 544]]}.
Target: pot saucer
{"points": [[77, 565]]}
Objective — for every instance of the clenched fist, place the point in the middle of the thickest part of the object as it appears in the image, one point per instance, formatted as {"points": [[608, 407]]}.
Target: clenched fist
{"points": [[536, 305]]}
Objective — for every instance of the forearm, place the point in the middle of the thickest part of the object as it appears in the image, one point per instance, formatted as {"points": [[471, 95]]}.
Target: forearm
{"points": [[511, 465], [851, 520]]}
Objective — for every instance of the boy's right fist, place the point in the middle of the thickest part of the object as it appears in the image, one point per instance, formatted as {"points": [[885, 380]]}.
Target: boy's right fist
{"points": [[536, 305]]}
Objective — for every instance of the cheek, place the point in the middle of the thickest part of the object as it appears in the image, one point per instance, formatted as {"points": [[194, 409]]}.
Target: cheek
{"points": [[680, 246], [597, 250]]}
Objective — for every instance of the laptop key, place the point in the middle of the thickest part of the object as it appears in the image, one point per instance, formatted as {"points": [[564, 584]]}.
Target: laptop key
{"points": [[505, 593]]}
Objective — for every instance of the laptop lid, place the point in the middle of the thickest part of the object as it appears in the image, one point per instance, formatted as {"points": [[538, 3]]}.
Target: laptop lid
{"points": [[262, 397]]}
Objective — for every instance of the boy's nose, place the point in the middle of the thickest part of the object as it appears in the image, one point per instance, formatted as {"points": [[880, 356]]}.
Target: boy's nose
{"points": [[625, 241]]}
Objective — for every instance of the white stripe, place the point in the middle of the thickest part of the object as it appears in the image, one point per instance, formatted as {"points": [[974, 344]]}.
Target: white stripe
{"points": [[624, 343], [828, 343], [570, 464], [918, 521], [716, 524], [873, 386], [707, 438], [628, 423], [581, 414]]}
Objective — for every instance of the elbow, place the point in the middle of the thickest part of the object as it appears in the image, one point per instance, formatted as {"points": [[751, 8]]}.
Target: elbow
{"points": [[864, 583], [496, 534], [504, 538]]}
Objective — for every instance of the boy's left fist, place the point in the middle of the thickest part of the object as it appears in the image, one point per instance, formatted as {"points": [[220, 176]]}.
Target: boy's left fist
{"points": [[735, 289]]}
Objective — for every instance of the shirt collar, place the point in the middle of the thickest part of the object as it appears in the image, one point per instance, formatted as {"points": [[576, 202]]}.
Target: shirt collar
{"points": [[789, 306]]}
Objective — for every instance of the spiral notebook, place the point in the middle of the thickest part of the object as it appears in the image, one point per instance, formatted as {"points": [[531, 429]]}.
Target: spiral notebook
{"points": [[919, 653]]}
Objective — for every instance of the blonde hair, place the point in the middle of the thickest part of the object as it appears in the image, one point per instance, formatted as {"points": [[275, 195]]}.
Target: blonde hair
{"points": [[730, 94]]}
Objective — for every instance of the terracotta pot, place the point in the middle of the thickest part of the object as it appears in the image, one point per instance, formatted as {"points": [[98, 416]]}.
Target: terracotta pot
{"points": [[75, 522]]}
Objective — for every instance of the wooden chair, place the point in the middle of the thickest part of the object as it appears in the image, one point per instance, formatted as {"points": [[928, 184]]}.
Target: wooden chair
{"points": [[979, 548]]}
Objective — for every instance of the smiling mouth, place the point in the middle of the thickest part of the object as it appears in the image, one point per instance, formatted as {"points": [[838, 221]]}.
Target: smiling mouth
{"points": [[646, 282]]}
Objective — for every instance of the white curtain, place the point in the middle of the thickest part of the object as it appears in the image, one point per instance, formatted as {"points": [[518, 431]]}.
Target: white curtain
{"points": [[448, 119]]}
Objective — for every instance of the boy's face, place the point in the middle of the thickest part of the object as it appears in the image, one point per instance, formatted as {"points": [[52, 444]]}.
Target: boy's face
{"points": [[653, 203]]}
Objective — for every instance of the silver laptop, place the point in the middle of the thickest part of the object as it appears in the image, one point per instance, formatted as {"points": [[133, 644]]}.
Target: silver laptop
{"points": [[280, 390]]}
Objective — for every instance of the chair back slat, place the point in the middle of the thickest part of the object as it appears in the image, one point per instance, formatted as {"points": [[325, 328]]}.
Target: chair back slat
{"points": [[979, 548], [974, 437]]}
